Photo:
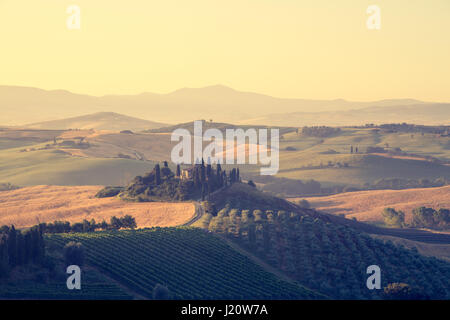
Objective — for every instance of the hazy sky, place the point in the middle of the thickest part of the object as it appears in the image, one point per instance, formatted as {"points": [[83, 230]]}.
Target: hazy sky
{"points": [[318, 49]]}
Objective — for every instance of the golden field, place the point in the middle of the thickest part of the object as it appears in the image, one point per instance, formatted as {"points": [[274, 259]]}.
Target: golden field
{"points": [[26, 207], [368, 205]]}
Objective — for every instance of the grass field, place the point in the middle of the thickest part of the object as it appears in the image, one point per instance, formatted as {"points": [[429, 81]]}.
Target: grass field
{"points": [[57, 168], [368, 205], [28, 206], [363, 168], [30, 157]]}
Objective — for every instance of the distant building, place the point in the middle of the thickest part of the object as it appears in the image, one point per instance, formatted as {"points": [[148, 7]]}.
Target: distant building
{"points": [[187, 174]]}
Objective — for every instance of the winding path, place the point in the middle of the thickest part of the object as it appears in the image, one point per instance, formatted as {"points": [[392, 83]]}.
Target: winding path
{"points": [[199, 212]]}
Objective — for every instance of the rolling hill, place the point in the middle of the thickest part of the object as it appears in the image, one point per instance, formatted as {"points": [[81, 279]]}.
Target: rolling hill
{"points": [[368, 205], [98, 121], [323, 158], [93, 157], [424, 113], [327, 256], [190, 262], [56, 167]]}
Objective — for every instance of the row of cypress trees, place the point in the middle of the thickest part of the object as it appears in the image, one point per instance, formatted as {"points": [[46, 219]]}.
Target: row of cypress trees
{"points": [[20, 247], [208, 179], [218, 177]]}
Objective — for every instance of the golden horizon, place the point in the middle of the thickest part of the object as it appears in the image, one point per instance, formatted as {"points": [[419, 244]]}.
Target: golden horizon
{"points": [[318, 50]]}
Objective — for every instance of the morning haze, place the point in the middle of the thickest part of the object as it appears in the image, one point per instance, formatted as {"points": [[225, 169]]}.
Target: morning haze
{"points": [[297, 49]]}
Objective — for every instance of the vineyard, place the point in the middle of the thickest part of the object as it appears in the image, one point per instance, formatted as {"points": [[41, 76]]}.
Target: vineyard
{"points": [[327, 257], [192, 263], [94, 287]]}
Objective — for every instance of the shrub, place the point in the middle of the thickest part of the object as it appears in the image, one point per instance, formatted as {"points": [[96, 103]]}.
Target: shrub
{"points": [[7, 186], [402, 291], [375, 150], [430, 218], [74, 253], [393, 217], [304, 204], [161, 292], [123, 156], [108, 192]]}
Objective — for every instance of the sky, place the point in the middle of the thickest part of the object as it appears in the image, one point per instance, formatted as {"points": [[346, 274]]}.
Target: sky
{"points": [[319, 49]]}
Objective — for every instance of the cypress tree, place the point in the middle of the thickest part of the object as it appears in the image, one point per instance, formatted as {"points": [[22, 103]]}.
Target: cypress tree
{"points": [[158, 174], [202, 173], [209, 171], [42, 243], [28, 245], [178, 170], [219, 178], [233, 176], [4, 257], [20, 249], [208, 185], [196, 178], [219, 170], [34, 245], [12, 246], [224, 179], [203, 192]]}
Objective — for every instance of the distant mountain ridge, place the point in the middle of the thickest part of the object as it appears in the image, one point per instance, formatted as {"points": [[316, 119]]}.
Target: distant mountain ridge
{"points": [[22, 105]]}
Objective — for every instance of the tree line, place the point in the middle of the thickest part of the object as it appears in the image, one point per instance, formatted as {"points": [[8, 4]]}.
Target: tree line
{"points": [[422, 218], [320, 131], [289, 187], [401, 183], [22, 247], [125, 222], [414, 128], [19, 248], [162, 183]]}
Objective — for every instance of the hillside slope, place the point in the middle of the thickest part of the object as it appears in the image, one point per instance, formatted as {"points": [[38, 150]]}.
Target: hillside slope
{"points": [[328, 256], [368, 205], [330, 161], [98, 121], [57, 167], [190, 262], [243, 197], [435, 114]]}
